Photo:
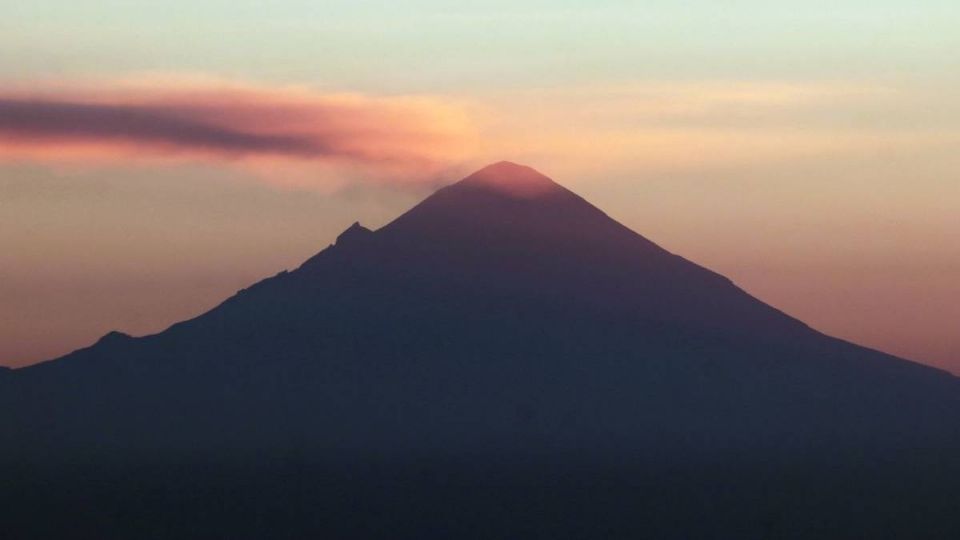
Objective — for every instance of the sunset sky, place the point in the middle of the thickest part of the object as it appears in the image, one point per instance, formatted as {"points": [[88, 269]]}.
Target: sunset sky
{"points": [[155, 157]]}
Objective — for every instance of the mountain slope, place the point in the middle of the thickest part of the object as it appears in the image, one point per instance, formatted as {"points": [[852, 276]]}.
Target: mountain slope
{"points": [[504, 359], [503, 314]]}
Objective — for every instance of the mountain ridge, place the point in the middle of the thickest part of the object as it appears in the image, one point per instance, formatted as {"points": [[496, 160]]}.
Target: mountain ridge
{"points": [[492, 363], [482, 265], [487, 207]]}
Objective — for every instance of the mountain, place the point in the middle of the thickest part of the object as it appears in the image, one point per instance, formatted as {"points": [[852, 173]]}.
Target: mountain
{"points": [[502, 324]]}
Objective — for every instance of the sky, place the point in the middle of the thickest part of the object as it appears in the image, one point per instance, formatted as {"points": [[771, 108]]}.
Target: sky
{"points": [[155, 157]]}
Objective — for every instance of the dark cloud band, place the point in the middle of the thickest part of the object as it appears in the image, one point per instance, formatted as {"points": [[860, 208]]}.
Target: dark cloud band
{"points": [[138, 124], [226, 122]]}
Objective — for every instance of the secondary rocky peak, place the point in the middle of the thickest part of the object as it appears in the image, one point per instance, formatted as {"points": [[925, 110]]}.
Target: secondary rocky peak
{"points": [[353, 234]]}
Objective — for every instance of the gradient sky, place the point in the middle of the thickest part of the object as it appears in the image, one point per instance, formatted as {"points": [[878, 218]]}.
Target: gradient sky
{"points": [[157, 156]]}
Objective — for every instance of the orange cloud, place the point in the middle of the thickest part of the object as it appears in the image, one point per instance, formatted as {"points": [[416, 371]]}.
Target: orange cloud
{"points": [[259, 126]]}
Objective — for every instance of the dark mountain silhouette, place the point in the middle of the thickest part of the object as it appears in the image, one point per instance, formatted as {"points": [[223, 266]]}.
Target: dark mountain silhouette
{"points": [[503, 329]]}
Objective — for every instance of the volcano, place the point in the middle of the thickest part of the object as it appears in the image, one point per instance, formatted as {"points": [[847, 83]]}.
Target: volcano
{"points": [[502, 324]]}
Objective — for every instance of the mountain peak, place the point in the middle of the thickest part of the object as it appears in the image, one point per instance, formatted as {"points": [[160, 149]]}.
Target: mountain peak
{"points": [[510, 204], [505, 197], [353, 234], [512, 179]]}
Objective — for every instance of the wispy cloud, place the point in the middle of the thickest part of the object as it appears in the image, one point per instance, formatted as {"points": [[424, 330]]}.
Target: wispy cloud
{"points": [[308, 137], [65, 122], [244, 124], [719, 128]]}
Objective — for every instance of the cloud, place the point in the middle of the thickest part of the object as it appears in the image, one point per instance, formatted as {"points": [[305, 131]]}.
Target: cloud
{"points": [[310, 138], [719, 128], [145, 125], [266, 128]]}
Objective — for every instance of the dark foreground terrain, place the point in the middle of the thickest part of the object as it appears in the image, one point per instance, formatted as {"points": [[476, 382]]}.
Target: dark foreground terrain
{"points": [[442, 500]]}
